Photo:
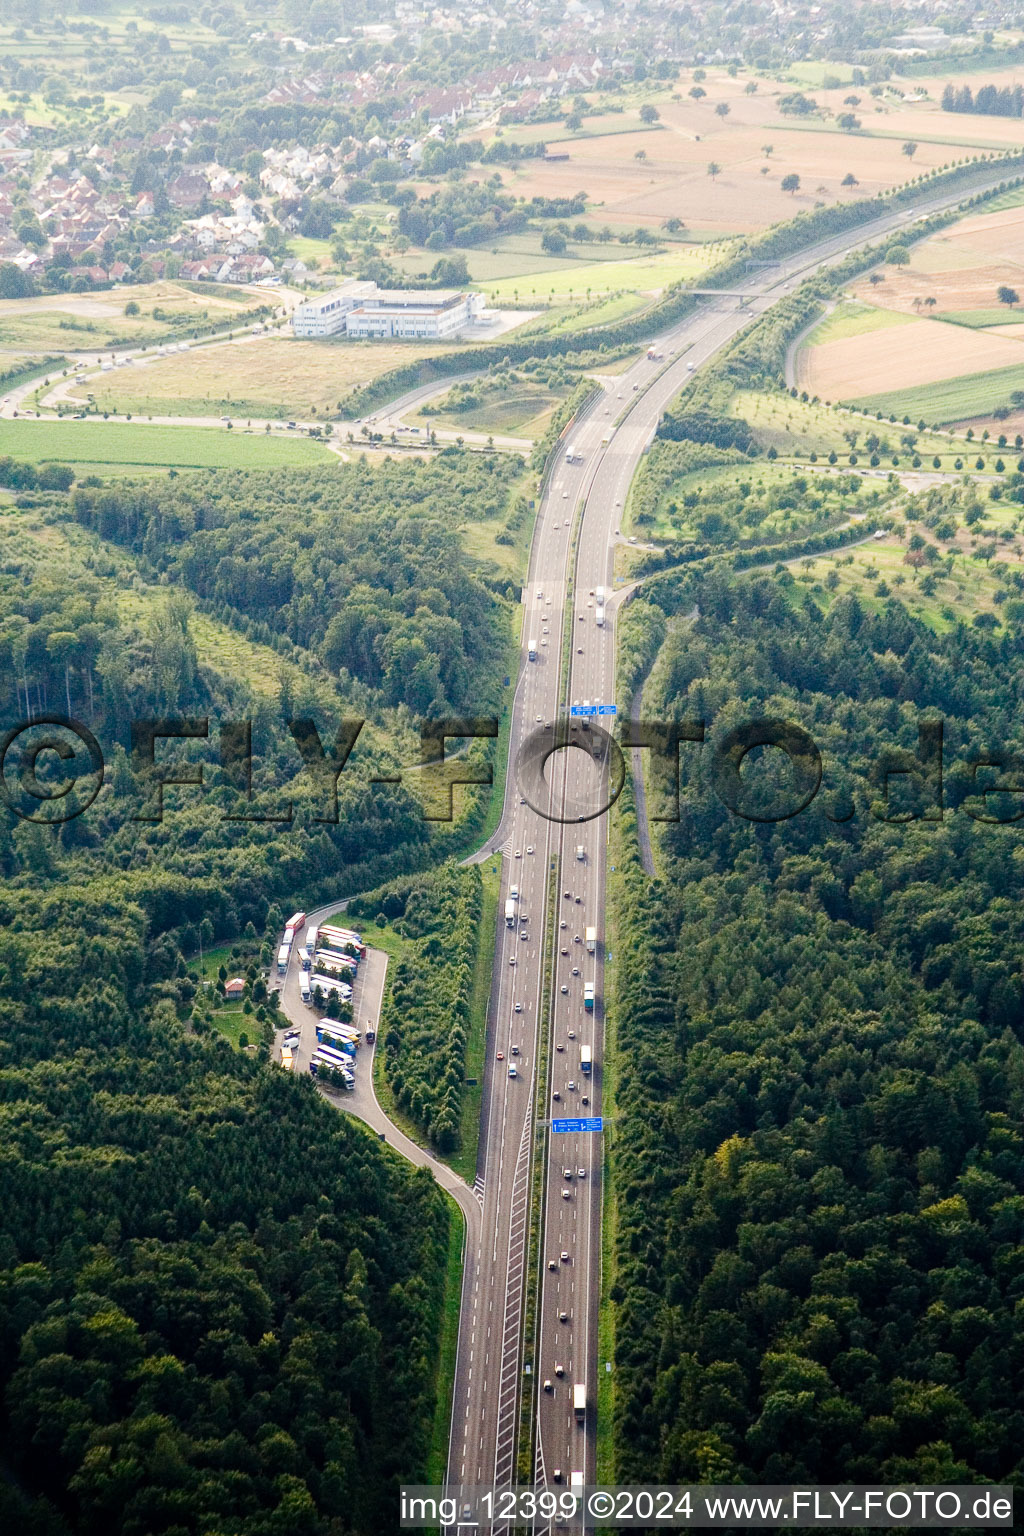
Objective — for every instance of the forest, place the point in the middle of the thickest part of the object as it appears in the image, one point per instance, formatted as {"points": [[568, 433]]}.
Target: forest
{"points": [[220, 1301], [425, 1018], [821, 1077], [360, 565]]}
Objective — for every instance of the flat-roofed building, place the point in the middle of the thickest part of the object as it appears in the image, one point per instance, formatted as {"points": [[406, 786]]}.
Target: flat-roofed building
{"points": [[326, 314]]}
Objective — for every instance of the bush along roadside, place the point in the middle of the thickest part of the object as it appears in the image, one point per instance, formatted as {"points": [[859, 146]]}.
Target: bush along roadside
{"points": [[573, 405], [425, 1018]]}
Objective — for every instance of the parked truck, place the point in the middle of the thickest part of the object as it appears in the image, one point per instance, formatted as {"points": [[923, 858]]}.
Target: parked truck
{"points": [[347, 1031], [588, 996], [510, 912], [282, 958], [579, 1404], [305, 958], [305, 991], [294, 923], [591, 937], [311, 935], [338, 938], [586, 1059]]}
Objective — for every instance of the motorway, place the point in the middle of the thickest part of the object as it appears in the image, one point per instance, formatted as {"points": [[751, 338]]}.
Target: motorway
{"points": [[561, 894]]}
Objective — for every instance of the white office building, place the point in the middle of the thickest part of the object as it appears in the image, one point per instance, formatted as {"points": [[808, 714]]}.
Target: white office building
{"points": [[429, 314], [326, 314], [363, 310]]}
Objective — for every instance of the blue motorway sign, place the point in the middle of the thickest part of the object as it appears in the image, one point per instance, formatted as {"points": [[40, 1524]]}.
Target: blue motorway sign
{"points": [[591, 1123], [592, 709]]}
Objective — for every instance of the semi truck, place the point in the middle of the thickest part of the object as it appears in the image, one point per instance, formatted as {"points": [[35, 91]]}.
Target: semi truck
{"points": [[325, 1057], [510, 912], [531, 650], [599, 595], [579, 1404], [282, 958], [338, 938], [311, 936], [591, 938], [305, 991], [588, 996], [337, 1042], [599, 615], [335, 952], [344, 1031], [337, 965], [330, 986], [295, 922], [287, 1058], [572, 456], [305, 957], [586, 1059]]}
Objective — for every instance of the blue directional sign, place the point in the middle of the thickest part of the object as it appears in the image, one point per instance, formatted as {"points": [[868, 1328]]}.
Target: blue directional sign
{"points": [[577, 710], [587, 1123], [606, 709]]}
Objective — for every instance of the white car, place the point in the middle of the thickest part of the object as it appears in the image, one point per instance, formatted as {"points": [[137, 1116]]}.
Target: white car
{"points": [[519, 1007], [512, 1072], [565, 495], [529, 847], [519, 853]]}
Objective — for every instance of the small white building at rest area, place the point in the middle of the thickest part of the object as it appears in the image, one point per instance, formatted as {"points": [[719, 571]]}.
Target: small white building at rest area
{"points": [[362, 310]]}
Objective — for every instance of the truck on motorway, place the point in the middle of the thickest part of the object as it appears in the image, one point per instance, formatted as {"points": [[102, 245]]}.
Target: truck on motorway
{"points": [[588, 996], [282, 958], [599, 595], [572, 456], [510, 912], [586, 1058], [599, 615], [305, 992], [591, 937], [579, 1404], [581, 852], [531, 650]]}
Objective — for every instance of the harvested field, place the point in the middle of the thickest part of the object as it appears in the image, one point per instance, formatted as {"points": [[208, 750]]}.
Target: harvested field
{"points": [[961, 267], [671, 178], [272, 375], [919, 353]]}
